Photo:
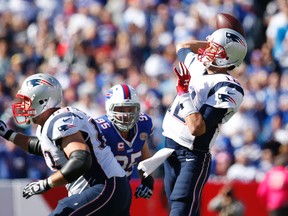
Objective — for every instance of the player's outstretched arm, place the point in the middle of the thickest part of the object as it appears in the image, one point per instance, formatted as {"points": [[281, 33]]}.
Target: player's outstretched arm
{"points": [[145, 189], [79, 161], [192, 44], [21, 140]]}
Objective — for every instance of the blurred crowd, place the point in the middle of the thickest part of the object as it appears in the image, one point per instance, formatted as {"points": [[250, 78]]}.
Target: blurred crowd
{"points": [[91, 45]]}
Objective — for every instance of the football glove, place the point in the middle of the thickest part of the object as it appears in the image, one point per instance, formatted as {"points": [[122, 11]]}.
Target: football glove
{"points": [[183, 78], [33, 188], [145, 190], [5, 132]]}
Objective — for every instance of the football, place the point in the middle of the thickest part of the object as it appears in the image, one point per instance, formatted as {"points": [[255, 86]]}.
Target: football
{"points": [[224, 20]]}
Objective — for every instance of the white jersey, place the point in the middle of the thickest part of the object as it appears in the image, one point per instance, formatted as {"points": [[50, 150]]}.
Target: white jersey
{"points": [[67, 121], [214, 90]]}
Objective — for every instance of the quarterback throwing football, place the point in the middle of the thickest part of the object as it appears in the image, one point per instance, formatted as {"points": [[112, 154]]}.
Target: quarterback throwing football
{"points": [[207, 96]]}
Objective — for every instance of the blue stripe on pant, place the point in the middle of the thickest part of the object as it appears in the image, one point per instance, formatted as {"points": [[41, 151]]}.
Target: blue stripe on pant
{"points": [[186, 173]]}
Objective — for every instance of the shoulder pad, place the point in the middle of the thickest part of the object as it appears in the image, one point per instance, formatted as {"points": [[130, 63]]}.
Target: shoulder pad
{"points": [[145, 121], [103, 122], [226, 97], [64, 124], [182, 55]]}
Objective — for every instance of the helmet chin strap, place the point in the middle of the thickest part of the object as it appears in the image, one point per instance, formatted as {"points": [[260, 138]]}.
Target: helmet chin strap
{"points": [[218, 66], [209, 64]]}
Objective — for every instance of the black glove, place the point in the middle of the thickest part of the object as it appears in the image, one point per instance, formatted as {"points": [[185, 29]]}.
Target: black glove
{"points": [[38, 187], [145, 190], [5, 132]]}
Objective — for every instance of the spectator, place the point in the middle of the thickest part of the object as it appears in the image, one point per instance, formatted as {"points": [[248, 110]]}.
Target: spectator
{"points": [[276, 21], [241, 170], [4, 57], [220, 165], [14, 162], [273, 190], [225, 203]]}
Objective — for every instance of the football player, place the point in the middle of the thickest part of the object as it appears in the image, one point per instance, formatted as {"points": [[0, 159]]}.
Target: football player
{"points": [[207, 96], [126, 130], [73, 147]]}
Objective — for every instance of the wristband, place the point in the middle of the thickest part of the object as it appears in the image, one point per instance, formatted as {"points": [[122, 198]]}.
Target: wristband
{"points": [[49, 181], [186, 105], [148, 181], [10, 135]]}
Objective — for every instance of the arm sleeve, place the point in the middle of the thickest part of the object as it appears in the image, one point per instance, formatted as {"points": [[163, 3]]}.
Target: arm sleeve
{"points": [[79, 162], [34, 146], [212, 116]]}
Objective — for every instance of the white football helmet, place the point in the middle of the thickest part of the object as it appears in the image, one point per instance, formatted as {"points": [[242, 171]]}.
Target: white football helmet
{"points": [[122, 106], [226, 48], [37, 94]]}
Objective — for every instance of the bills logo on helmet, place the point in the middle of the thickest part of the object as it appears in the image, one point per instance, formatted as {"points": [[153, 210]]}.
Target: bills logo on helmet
{"points": [[225, 97], [230, 37], [109, 94]]}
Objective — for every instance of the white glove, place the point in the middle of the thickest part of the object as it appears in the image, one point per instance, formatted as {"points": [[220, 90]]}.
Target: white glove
{"points": [[5, 132], [38, 187]]}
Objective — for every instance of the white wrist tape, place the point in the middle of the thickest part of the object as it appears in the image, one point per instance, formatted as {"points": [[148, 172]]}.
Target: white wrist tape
{"points": [[12, 137], [50, 182], [186, 105]]}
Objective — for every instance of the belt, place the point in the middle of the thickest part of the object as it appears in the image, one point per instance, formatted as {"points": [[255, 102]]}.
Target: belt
{"points": [[185, 151]]}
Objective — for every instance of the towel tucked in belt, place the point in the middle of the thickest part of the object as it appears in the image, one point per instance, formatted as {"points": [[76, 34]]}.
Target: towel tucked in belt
{"points": [[152, 163]]}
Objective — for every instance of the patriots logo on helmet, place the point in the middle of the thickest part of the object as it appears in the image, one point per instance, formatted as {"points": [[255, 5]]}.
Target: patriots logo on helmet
{"points": [[35, 82], [230, 37], [227, 98]]}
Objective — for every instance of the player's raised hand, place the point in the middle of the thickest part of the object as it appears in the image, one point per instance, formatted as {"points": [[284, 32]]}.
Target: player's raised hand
{"points": [[145, 190], [183, 78], [38, 187], [5, 132]]}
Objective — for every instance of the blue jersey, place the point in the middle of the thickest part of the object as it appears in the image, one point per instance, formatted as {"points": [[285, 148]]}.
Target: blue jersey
{"points": [[128, 154]]}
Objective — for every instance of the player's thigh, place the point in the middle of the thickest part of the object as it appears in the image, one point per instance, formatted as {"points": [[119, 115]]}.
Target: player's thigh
{"points": [[171, 168], [122, 197], [190, 180], [67, 205], [115, 201]]}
